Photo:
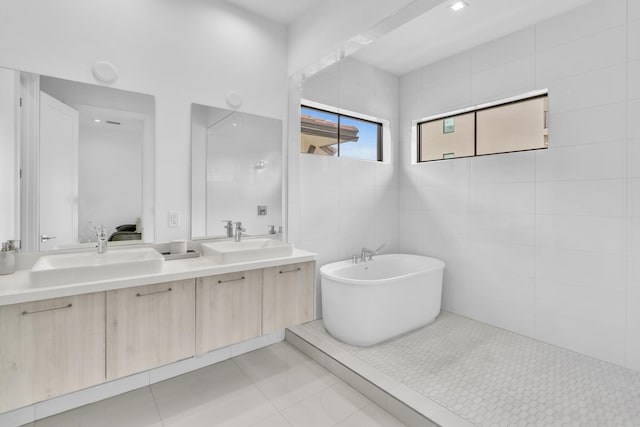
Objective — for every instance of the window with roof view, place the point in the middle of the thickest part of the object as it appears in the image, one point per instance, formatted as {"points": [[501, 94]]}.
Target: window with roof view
{"points": [[331, 134]]}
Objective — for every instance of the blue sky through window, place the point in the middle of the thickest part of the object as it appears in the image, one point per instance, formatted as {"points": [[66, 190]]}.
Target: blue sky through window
{"points": [[366, 148]]}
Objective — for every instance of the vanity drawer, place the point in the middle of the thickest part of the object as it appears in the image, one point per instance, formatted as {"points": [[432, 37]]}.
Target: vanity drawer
{"points": [[149, 326], [287, 296], [228, 309], [50, 347]]}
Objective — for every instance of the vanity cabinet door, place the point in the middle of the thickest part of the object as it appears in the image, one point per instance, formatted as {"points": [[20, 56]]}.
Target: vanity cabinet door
{"points": [[228, 309], [50, 347], [287, 296], [149, 326]]}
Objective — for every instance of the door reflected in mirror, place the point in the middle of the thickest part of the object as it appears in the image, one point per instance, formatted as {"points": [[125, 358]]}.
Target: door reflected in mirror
{"points": [[82, 157], [236, 171]]}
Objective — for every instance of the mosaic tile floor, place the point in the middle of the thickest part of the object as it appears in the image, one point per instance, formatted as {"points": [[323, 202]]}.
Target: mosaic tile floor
{"points": [[492, 377]]}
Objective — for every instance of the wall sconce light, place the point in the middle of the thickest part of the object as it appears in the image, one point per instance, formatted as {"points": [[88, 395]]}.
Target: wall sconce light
{"points": [[259, 165]]}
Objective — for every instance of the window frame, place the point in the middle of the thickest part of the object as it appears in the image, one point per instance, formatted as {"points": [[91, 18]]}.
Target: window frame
{"points": [[379, 133], [495, 104]]}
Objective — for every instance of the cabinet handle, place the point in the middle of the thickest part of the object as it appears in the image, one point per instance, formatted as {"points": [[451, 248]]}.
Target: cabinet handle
{"points": [[230, 280], [290, 271], [25, 313], [153, 293]]}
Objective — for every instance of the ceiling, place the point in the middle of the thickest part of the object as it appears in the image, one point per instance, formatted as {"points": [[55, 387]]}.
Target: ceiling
{"points": [[282, 11], [441, 33], [434, 35]]}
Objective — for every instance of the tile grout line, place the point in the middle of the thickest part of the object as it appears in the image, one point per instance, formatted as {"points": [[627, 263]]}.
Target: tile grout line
{"points": [[627, 194], [155, 402], [253, 383]]}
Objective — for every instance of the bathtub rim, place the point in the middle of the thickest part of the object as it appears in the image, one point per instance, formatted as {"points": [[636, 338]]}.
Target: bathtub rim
{"points": [[326, 271]]}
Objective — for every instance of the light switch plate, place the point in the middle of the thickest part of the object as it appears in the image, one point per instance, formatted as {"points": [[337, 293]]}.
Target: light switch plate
{"points": [[174, 219]]}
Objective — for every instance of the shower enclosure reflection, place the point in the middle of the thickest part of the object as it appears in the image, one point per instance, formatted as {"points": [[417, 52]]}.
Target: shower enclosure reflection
{"points": [[236, 171]]}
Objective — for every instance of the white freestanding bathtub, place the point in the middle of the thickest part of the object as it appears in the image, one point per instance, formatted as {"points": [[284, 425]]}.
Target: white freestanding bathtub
{"points": [[369, 302]]}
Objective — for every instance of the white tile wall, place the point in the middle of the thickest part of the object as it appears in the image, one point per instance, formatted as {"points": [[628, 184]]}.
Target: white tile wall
{"points": [[592, 306], [590, 19], [587, 338], [503, 258], [586, 233], [347, 203], [634, 124], [634, 76], [448, 70], [591, 89], [504, 50], [585, 197], [513, 77], [591, 269], [447, 96], [503, 197], [585, 126], [634, 10], [544, 243], [589, 53], [606, 160]]}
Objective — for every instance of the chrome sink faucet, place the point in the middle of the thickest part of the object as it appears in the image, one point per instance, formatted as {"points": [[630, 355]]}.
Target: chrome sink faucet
{"points": [[369, 253], [101, 232], [229, 227], [237, 231]]}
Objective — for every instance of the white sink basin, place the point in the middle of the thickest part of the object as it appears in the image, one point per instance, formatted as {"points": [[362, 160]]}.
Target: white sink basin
{"points": [[92, 266], [247, 250]]}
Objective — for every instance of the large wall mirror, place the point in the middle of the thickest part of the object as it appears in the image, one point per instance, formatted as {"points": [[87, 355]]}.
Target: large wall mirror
{"points": [[236, 171], [74, 157]]}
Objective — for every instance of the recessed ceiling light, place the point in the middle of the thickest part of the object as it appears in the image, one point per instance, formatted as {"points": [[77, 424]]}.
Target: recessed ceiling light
{"points": [[459, 5], [96, 120]]}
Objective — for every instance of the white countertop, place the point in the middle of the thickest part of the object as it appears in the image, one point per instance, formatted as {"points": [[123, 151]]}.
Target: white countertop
{"points": [[18, 287]]}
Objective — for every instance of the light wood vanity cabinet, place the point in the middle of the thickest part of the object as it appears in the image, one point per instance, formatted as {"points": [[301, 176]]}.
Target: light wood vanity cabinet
{"points": [[287, 296], [149, 326], [51, 347], [56, 346], [228, 309]]}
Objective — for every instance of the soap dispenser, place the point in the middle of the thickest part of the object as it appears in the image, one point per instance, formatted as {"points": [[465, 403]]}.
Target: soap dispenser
{"points": [[8, 257]]}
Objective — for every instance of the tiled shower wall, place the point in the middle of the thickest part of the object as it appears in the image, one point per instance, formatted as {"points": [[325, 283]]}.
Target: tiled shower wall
{"points": [[338, 205], [544, 243]]}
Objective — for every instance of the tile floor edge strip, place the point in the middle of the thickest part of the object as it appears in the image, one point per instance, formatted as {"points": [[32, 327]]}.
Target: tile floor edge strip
{"points": [[296, 344]]}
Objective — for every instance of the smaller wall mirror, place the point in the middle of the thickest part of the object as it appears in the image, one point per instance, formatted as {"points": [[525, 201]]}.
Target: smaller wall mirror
{"points": [[236, 171]]}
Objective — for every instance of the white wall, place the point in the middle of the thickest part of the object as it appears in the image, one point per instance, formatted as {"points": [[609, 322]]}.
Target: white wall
{"points": [[109, 179], [179, 51], [543, 243], [337, 205], [8, 135]]}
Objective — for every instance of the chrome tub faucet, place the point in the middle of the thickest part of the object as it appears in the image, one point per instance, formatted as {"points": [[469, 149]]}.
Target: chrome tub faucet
{"points": [[367, 254]]}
